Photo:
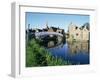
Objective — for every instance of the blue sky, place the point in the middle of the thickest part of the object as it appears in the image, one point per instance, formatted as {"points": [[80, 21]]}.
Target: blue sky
{"points": [[39, 20]]}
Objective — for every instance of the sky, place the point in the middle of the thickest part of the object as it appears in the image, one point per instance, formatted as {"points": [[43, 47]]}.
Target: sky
{"points": [[39, 20]]}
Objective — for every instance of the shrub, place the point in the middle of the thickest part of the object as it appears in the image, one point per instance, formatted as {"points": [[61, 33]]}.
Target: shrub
{"points": [[37, 55]]}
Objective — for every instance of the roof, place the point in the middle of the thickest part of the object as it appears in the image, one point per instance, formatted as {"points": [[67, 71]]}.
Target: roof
{"points": [[54, 28], [86, 25]]}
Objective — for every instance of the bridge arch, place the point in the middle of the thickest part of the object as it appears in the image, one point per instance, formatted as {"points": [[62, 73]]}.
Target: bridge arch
{"points": [[39, 34]]}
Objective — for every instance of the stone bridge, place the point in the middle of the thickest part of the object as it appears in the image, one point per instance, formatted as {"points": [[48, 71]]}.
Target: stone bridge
{"points": [[40, 34]]}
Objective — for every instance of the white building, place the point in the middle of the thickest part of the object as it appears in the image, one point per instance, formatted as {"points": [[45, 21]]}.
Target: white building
{"points": [[78, 33]]}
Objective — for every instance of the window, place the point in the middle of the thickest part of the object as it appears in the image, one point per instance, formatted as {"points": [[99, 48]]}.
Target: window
{"points": [[76, 27], [77, 34]]}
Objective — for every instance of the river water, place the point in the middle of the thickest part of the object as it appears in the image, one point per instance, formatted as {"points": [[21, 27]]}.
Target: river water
{"points": [[74, 52]]}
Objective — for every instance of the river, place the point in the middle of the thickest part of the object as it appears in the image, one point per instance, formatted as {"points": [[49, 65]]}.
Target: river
{"points": [[74, 52]]}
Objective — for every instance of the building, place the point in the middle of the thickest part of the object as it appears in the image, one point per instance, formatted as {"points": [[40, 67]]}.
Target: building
{"points": [[78, 33], [54, 29], [51, 29]]}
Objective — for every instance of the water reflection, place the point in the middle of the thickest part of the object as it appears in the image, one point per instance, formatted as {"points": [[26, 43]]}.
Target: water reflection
{"points": [[77, 47], [75, 52], [50, 44]]}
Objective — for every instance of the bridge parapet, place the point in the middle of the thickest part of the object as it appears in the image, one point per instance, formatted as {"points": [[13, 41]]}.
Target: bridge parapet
{"points": [[47, 33]]}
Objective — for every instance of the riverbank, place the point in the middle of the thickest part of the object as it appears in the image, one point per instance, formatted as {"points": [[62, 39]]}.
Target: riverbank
{"points": [[37, 55]]}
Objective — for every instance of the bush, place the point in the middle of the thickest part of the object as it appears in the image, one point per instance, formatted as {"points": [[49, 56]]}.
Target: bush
{"points": [[37, 55]]}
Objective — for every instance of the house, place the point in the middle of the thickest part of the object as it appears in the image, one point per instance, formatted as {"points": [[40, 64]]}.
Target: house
{"points": [[78, 33], [38, 30], [46, 29], [54, 29], [60, 31]]}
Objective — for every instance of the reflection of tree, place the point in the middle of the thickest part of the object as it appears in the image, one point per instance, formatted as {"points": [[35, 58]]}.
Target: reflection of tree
{"points": [[76, 47]]}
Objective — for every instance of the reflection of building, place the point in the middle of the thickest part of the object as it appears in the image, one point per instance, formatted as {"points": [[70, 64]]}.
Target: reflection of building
{"points": [[78, 33], [76, 47]]}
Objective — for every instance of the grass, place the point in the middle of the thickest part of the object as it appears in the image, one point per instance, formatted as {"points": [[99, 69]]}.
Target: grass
{"points": [[37, 55]]}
